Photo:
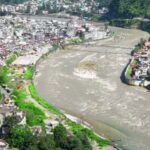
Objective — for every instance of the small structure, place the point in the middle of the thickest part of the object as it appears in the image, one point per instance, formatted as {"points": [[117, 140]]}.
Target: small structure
{"points": [[3, 145], [51, 124], [37, 130]]}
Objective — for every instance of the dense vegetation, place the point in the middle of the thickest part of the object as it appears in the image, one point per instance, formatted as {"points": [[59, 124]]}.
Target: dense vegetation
{"points": [[22, 137], [129, 8], [12, 1], [29, 73]]}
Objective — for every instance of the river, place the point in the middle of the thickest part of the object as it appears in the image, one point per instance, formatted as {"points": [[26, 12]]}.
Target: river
{"points": [[114, 109]]}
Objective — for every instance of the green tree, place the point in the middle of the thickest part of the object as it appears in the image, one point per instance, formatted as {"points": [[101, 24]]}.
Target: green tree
{"points": [[85, 142], [60, 136], [46, 143], [129, 8], [18, 136], [74, 143], [10, 121]]}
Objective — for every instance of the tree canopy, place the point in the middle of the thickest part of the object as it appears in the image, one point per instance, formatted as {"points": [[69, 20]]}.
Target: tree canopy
{"points": [[129, 8]]}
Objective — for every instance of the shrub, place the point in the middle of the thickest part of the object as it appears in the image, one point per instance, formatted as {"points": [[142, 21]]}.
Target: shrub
{"points": [[60, 136], [11, 59], [79, 130], [29, 73], [18, 136], [5, 75]]}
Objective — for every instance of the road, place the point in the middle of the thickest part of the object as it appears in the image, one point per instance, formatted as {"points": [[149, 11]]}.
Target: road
{"points": [[114, 109]]}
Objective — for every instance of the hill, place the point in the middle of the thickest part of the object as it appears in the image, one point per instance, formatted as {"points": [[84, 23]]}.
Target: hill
{"points": [[129, 8]]}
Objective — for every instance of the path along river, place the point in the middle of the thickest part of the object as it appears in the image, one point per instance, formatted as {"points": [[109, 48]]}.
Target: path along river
{"points": [[114, 109]]}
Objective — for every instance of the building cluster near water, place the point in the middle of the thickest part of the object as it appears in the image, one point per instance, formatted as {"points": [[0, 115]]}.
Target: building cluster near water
{"points": [[140, 66], [30, 35]]}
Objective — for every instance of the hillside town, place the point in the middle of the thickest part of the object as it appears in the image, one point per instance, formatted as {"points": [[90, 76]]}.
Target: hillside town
{"points": [[139, 67], [142, 68], [23, 34], [23, 41], [52, 6]]}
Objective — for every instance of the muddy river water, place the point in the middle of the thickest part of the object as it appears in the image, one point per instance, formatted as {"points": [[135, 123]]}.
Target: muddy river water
{"points": [[114, 109]]}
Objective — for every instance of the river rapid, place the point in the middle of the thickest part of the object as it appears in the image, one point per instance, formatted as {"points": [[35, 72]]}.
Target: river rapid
{"points": [[113, 109]]}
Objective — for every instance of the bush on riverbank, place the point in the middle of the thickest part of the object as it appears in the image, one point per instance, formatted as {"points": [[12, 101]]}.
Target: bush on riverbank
{"points": [[22, 137], [129, 71], [78, 130], [29, 73]]}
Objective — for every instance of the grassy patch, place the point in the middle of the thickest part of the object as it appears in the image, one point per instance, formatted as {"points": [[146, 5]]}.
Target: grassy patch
{"points": [[75, 41], [129, 71], [78, 130], [1, 97], [35, 116], [29, 73], [41, 101], [11, 59], [137, 49], [5, 75]]}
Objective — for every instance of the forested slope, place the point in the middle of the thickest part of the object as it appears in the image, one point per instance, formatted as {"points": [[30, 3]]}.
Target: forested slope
{"points": [[129, 8]]}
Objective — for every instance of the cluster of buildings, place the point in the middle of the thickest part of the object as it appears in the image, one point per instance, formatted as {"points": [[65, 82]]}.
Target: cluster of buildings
{"points": [[30, 7], [9, 109], [21, 34], [141, 65], [53, 6]]}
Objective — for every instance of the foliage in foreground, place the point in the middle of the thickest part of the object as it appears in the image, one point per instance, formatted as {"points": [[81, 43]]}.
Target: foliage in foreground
{"points": [[29, 73], [5, 73], [21, 137], [76, 41]]}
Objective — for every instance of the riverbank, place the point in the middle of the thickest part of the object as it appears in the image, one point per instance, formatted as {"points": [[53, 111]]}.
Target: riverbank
{"points": [[105, 103]]}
